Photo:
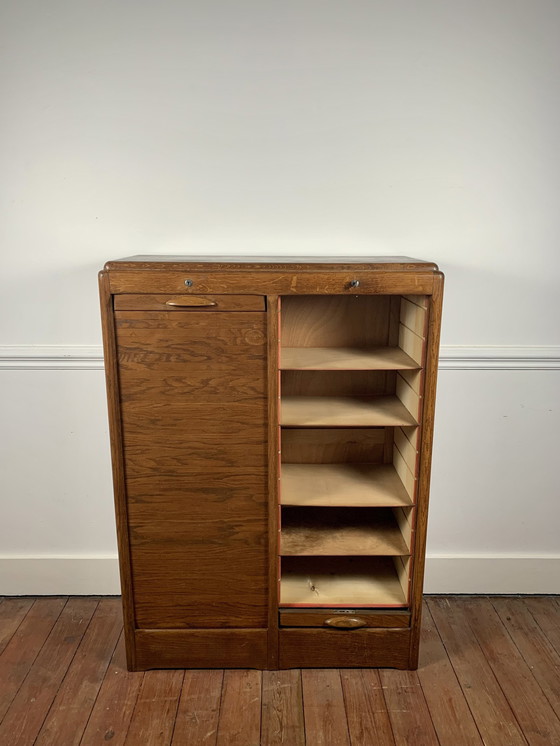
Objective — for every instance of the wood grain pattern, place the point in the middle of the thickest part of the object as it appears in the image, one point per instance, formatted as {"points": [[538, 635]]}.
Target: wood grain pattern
{"points": [[110, 356], [366, 485], [366, 711], [151, 302], [495, 720], [422, 493], [201, 648], [337, 648], [199, 707], [156, 709], [323, 383], [31, 704], [296, 282], [533, 712], [537, 651], [282, 709], [12, 613], [323, 411], [450, 713], [545, 611], [24, 646], [340, 581], [112, 712], [340, 531], [345, 358], [410, 718], [325, 716], [240, 713], [69, 713], [333, 446]]}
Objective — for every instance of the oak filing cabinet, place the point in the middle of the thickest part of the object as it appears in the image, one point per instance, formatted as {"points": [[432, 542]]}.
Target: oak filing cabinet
{"points": [[271, 428]]}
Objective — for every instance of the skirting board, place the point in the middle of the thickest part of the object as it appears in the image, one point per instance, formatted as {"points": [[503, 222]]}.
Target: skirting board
{"points": [[99, 576]]}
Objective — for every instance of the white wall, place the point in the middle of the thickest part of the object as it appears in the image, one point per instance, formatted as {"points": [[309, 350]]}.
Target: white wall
{"points": [[428, 129]]}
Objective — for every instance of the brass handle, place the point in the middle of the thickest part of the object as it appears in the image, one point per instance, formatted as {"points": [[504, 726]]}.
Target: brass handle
{"points": [[190, 301], [345, 622]]}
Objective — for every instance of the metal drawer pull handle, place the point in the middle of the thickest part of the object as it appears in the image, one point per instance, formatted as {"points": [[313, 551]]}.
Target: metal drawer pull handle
{"points": [[190, 300], [345, 622]]}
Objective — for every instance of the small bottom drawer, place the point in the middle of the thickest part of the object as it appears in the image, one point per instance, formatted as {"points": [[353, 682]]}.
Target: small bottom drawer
{"points": [[344, 618]]}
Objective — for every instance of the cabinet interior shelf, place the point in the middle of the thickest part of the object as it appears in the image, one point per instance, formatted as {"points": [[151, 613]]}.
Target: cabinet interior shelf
{"points": [[341, 531], [351, 484], [332, 411], [345, 358], [341, 582]]}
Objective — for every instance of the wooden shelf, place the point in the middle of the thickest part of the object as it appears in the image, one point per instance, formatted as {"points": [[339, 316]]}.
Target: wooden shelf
{"points": [[345, 358], [365, 485], [340, 582], [330, 411], [340, 531]]}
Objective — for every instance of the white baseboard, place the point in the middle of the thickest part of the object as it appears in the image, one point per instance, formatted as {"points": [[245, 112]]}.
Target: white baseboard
{"points": [[64, 576], [99, 576], [499, 574]]}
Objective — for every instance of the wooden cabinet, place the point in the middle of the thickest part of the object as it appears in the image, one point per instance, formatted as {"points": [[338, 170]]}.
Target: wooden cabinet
{"points": [[271, 428]]}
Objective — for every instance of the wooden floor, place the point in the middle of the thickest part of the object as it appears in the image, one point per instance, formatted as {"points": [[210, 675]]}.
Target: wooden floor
{"points": [[489, 674]]}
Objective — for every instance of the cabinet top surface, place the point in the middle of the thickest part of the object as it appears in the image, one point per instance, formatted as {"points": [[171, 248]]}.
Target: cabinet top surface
{"points": [[267, 263]]}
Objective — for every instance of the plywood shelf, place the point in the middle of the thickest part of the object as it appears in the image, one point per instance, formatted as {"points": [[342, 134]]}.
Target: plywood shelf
{"points": [[365, 485], [340, 582], [345, 358], [341, 531], [331, 411]]}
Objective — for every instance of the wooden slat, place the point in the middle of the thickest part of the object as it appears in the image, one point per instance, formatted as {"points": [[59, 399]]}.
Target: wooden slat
{"points": [[450, 713], [34, 698], [115, 703], [240, 712], [12, 613], [405, 474], [412, 344], [24, 646], [532, 710], [495, 720], [411, 722], [156, 709], [546, 612], [366, 711], [345, 358], [337, 383], [73, 703], [325, 714], [408, 397], [406, 449], [413, 317], [199, 707], [336, 446], [419, 300], [282, 709], [340, 531], [539, 654], [314, 411], [366, 485], [340, 581]]}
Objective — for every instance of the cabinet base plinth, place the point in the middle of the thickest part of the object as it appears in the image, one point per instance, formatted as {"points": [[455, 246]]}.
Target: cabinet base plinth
{"points": [[213, 648], [363, 648]]}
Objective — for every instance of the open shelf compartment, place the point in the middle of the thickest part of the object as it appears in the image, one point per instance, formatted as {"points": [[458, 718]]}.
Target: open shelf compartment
{"points": [[345, 531], [343, 582]]}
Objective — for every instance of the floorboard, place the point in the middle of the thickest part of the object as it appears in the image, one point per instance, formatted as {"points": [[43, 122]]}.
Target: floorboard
{"points": [[489, 674]]}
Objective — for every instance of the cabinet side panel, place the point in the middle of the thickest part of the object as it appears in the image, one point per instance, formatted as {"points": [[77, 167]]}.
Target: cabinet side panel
{"points": [[117, 459], [195, 447], [425, 460]]}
